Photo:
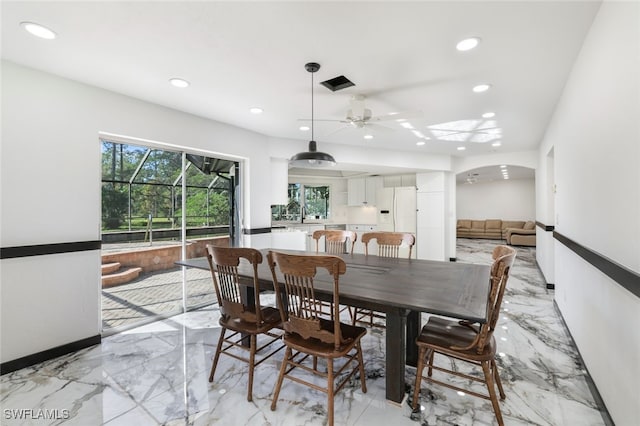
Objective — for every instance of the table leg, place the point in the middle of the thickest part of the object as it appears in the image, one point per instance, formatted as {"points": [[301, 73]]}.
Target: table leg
{"points": [[413, 329], [396, 329], [248, 296]]}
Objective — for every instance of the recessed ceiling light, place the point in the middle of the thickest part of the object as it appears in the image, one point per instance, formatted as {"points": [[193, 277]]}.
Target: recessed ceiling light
{"points": [[467, 44], [503, 166], [368, 136], [255, 110], [407, 125], [461, 148], [496, 144], [38, 30], [481, 88], [420, 143], [488, 115], [304, 128], [506, 177], [179, 82]]}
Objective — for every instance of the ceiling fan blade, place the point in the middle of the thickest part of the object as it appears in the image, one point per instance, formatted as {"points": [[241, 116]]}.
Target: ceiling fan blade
{"points": [[337, 130], [322, 119], [378, 128], [398, 116]]}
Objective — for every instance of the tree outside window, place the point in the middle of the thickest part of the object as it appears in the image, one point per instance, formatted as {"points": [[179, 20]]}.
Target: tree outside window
{"points": [[312, 199]]}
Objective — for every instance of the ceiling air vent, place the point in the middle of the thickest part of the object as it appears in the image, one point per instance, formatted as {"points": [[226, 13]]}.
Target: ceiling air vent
{"points": [[337, 83]]}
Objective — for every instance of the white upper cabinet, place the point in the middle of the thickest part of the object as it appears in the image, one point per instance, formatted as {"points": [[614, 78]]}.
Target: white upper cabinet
{"points": [[362, 191], [355, 191]]}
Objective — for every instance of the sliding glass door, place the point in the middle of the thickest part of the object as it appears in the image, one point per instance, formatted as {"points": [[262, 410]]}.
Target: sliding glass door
{"points": [[157, 207]]}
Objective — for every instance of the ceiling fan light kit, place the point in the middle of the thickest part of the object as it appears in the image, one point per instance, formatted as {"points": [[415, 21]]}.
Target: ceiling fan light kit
{"points": [[312, 157]]}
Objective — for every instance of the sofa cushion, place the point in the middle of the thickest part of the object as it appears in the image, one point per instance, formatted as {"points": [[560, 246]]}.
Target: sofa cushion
{"points": [[477, 224], [529, 225], [495, 224], [463, 223], [512, 224]]}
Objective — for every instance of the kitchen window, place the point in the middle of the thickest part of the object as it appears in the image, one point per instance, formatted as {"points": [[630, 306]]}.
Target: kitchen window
{"points": [[305, 202]]}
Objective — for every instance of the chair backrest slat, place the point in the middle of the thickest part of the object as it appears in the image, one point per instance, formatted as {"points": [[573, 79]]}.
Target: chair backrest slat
{"points": [[504, 257], [224, 262], [302, 314], [389, 243], [335, 240]]}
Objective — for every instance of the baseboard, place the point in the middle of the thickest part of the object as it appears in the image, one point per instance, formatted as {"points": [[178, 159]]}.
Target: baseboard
{"points": [[606, 417], [29, 360], [550, 286]]}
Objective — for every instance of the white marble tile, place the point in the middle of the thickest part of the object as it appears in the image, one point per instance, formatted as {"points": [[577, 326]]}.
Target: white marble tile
{"points": [[158, 375]]}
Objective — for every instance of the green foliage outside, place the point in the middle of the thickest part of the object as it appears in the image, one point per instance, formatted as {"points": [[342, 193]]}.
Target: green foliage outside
{"points": [[156, 190], [315, 201]]}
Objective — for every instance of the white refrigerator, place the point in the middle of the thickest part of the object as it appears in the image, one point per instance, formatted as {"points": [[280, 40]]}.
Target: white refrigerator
{"points": [[396, 211]]}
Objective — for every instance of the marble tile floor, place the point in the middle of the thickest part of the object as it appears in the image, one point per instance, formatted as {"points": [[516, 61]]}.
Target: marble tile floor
{"points": [[157, 375]]}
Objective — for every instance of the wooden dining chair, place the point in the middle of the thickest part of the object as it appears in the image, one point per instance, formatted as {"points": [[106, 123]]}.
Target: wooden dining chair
{"points": [[469, 342], [336, 241], [307, 334], [245, 321], [389, 244]]}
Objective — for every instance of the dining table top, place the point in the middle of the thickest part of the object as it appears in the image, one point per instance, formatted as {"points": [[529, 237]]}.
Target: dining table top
{"points": [[402, 288], [453, 289]]}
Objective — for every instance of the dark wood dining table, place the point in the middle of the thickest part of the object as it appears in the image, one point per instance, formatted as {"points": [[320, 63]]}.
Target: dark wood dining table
{"points": [[402, 289]]}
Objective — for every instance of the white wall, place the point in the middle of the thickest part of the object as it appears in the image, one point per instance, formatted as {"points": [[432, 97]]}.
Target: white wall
{"points": [[595, 137], [50, 169], [50, 174], [512, 199]]}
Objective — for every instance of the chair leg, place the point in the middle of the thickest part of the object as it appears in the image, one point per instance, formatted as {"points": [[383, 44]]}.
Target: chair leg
{"points": [[488, 376], [419, 369], [217, 356], [363, 383], [283, 367], [431, 354], [330, 389], [252, 363], [496, 376]]}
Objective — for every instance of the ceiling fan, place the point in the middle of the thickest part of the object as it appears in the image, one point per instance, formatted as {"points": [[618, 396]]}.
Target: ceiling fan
{"points": [[360, 117]]}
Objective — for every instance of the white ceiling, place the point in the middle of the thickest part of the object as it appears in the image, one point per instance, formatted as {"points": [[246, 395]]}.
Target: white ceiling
{"points": [[494, 174], [400, 55]]}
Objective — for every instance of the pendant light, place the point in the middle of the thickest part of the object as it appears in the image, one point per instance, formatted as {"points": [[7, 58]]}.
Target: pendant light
{"points": [[312, 158]]}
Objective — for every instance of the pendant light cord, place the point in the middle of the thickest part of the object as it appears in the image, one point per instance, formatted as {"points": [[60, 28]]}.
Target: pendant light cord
{"points": [[312, 138]]}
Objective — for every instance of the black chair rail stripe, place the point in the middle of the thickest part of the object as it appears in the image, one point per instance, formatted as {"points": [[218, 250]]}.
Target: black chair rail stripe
{"points": [[255, 231], [547, 228], [46, 249], [627, 278]]}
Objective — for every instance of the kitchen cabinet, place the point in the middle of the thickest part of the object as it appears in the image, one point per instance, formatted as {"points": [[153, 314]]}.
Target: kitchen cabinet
{"points": [[362, 191], [288, 239], [296, 237], [431, 217]]}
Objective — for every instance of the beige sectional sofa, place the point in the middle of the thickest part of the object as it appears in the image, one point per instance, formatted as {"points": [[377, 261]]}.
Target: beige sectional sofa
{"points": [[515, 232]]}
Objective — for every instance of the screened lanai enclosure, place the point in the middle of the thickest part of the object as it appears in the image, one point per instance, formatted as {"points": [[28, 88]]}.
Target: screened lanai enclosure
{"points": [[142, 192], [159, 206]]}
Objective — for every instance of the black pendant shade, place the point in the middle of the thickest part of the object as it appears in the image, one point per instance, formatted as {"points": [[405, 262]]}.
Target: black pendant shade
{"points": [[312, 158]]}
